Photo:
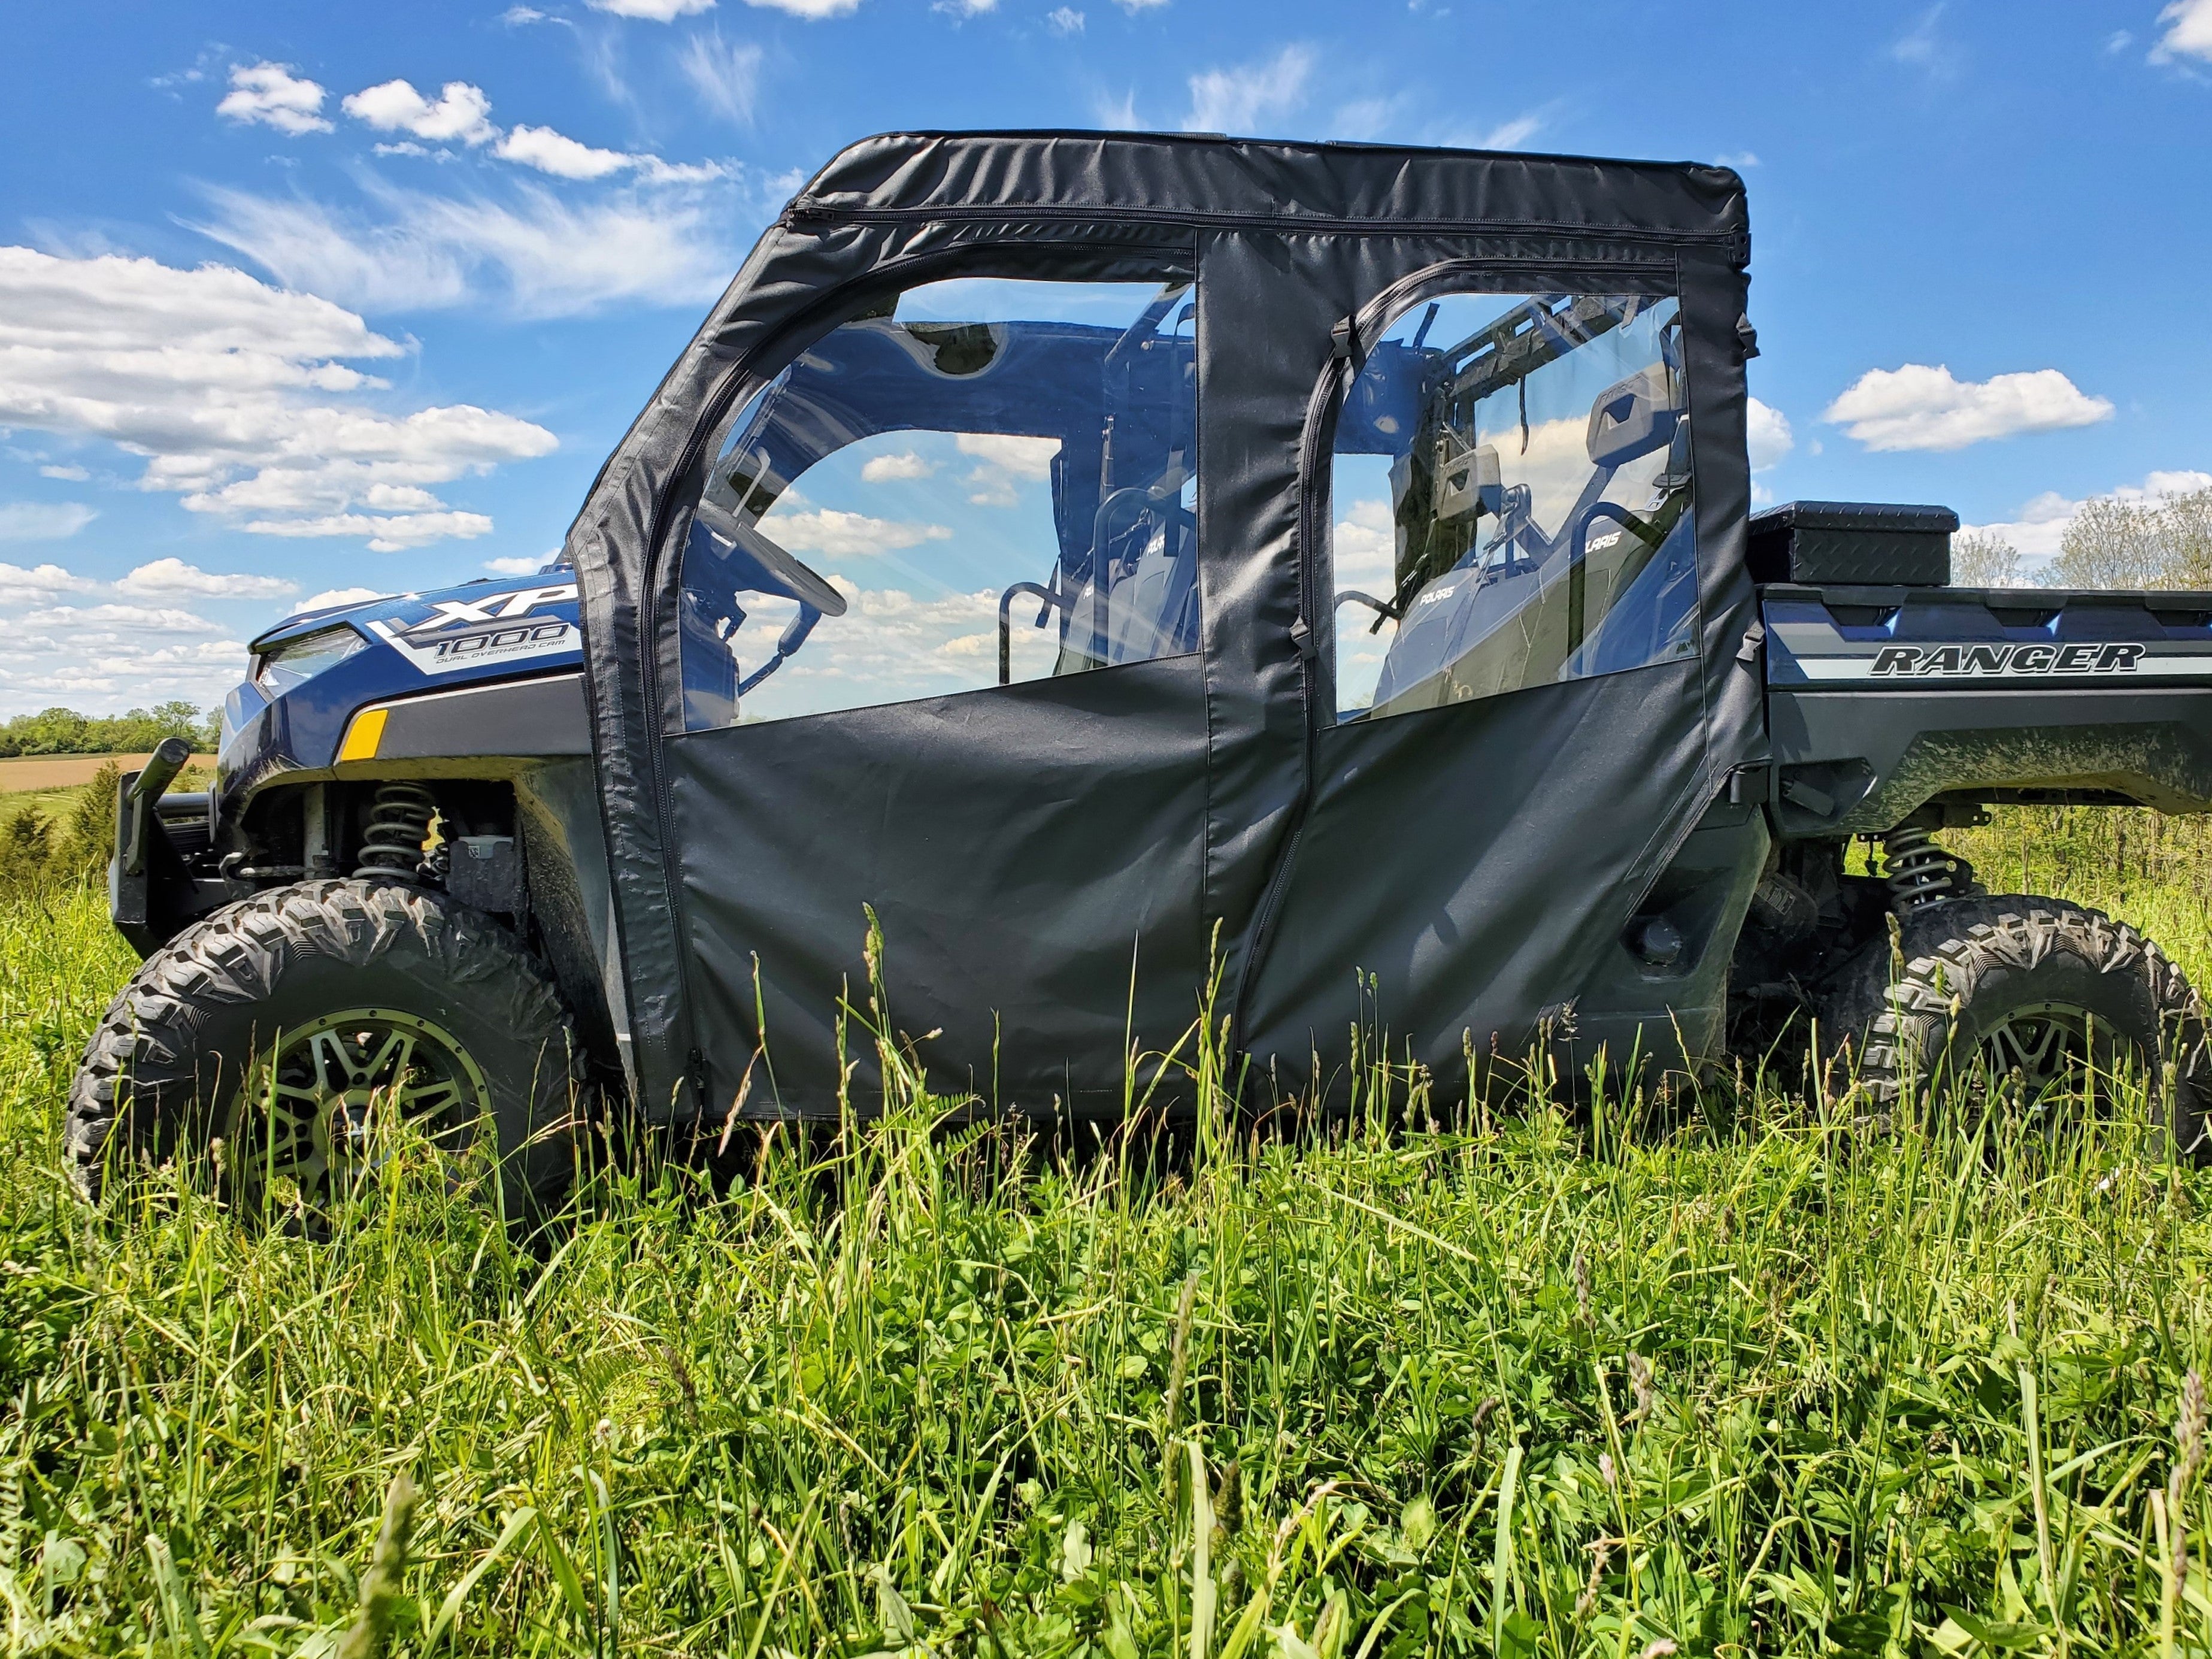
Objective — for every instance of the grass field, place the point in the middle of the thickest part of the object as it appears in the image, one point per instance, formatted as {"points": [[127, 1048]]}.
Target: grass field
{"points": [[49, 783], [1772, 1381]]}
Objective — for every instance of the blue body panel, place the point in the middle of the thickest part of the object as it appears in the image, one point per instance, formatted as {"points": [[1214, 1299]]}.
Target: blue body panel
{"points": [[1906, 639], [515, 628]]}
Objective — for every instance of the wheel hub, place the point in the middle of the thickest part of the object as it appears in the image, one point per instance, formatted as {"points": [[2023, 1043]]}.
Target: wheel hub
{"points": [[314, 1112], [2045, 1052]]}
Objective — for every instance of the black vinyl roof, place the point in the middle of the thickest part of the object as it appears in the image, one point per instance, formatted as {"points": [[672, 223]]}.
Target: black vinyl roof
{"points": [[1286, 185]]}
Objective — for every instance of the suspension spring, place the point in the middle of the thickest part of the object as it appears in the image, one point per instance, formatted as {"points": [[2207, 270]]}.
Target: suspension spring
{"points": [[1920, 873], [398, 824]]}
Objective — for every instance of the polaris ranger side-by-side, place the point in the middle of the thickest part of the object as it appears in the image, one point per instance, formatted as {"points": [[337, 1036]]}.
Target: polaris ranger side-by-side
{"points": [[1084, 548]]}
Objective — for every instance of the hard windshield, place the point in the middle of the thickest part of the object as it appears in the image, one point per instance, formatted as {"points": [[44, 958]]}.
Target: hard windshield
{"points": [[985, 483]]}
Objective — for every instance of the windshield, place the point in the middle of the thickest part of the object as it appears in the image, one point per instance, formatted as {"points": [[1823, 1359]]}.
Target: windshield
{"points": [[985, 483]]}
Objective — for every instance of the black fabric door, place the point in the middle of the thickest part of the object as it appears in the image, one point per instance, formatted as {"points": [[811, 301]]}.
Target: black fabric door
{"points": [[1523, 487], [940, 627]]}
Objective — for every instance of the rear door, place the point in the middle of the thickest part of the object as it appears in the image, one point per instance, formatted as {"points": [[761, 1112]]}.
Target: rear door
{"points": [[940, 660], [1510, 734]]}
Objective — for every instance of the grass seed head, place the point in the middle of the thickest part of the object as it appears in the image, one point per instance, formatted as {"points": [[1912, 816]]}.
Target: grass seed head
{"points": [[1229, 1500], [1179, 1354], [2189, 1430], [388, 1565], [1581, 1269], [1586, 1602], [1639, 1383]]}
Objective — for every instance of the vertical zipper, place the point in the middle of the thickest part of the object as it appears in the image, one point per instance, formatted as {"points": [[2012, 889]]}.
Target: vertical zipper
{"points": [[694, 1071], [1307, 637]]}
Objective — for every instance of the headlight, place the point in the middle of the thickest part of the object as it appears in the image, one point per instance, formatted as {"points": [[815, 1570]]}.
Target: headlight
{"points": [[296, 661]]}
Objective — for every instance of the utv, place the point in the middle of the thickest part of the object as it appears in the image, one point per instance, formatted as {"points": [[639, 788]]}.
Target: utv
{"points": [[1099, 553]]}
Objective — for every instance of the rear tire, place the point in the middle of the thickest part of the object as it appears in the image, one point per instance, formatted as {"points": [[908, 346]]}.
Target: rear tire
{"points": [[2012, 992], [279, 1023]]}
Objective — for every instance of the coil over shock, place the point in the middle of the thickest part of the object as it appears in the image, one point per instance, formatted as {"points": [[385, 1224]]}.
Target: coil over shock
{"points": [[1920, 873], [398, 824]]}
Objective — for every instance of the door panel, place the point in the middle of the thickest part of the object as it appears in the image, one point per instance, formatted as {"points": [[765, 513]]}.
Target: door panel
{"points": [[1031, 853], [1478, 861]]}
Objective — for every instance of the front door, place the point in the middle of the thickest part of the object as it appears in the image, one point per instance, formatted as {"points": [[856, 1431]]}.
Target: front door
{"points": [[940, 658]]}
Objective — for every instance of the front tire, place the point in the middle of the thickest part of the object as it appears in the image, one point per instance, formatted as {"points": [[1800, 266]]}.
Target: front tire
{"points": [[2025, 995], [281, 1025]]}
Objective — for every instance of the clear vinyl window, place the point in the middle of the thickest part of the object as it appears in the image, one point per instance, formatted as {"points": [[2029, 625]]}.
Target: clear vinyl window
{"points": [[986, 482], [1511, 493]]}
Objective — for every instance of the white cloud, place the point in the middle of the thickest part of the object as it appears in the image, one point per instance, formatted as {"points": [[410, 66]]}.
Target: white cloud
{"points": [[1025, 458], [1244, 98], [1365, 119], [1767, 433], [1924, 48], [1917, 407], [1064, 19], [836, 535], [386, 533], [43, 521], [271, 94], [2189, 32], [2040, 524], [1118, 117], [540, 257], [652, 11], [727, 77], [518, 566], [1739, 159], [111, 665], [564, 157], [235, 395], [886, 469], [1365, 547], [331, 597], [1511, 134], [71, 474], [1133, 7], [141, 618], [1006, 459], [42, 581], [812, 10], [560, 156], [174, 579], [965, 7], [461, 112]]}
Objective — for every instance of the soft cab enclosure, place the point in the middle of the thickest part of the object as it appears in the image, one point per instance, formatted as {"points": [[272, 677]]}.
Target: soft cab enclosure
{"points": [[1108, 557]]}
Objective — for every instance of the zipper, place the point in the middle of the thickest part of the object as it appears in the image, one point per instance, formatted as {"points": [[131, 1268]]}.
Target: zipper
{"points": [[1261, 936], [800, 211], [695, 1071]]}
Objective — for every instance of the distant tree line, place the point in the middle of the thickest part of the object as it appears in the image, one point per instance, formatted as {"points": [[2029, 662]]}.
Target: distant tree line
{"points": [[65, 732], [2163, 542]]}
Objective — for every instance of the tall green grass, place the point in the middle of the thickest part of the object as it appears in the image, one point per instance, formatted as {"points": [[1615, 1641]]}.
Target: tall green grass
{"points": [[1767, 1381]]}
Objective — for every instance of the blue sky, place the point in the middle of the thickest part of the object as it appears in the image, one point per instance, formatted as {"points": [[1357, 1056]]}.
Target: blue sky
{"points": [[296, 299]]}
